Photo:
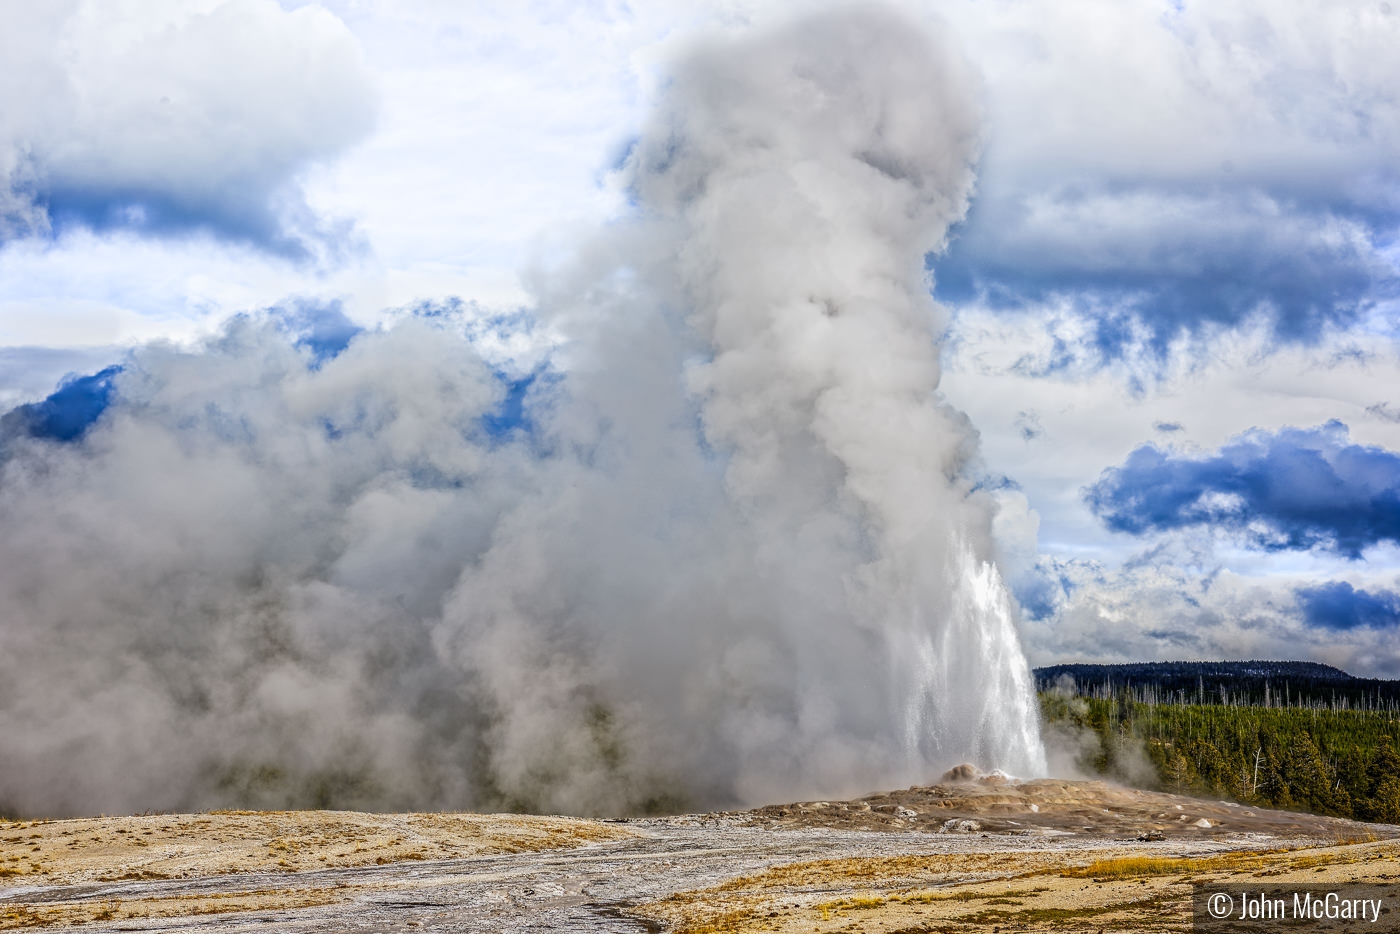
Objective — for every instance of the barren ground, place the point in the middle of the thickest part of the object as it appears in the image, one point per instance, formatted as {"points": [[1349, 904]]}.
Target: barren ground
{"points": [[1043, 855]]}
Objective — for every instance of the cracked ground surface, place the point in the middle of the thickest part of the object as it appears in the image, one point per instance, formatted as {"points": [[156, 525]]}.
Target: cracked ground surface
{"points": [[1038, 856]]}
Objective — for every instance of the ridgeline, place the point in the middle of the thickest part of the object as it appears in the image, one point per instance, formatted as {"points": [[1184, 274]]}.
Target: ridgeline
{"points": [[1291, 735], [1261, 683]]}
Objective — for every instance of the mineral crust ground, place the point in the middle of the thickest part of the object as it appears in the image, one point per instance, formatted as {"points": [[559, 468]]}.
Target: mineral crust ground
{"points": [[978, 855]]}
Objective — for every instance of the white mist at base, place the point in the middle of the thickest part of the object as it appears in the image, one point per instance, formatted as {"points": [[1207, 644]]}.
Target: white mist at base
{"points": [[737, 554]]}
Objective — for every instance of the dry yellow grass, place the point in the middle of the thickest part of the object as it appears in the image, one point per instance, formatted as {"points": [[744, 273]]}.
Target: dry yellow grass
{"points": [[878, 871], [1048, 891], [1132, 867], [14, 916], [220, 842], [230, 842]]}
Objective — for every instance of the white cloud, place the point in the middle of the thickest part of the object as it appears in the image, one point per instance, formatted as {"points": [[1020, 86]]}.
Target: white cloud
{"points": [[1149, 88], [1178, 595], [1169, 612], [33, 372], [174, 114], [999, 365]]}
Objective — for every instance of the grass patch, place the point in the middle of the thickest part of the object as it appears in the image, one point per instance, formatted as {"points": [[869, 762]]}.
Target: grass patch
{"points": [[133, 874], [1132, 867], [857, 903], [22, 916], [923, 897], [69, 914], [935, 895], [1043, 918], [726, 923], [1353, 838]]}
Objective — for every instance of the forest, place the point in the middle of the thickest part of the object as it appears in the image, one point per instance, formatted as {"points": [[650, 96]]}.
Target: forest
{"points": [[1306, 751]]}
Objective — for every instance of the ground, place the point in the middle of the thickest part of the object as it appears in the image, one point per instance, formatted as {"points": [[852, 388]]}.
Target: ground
{"points": [[985, 854]]}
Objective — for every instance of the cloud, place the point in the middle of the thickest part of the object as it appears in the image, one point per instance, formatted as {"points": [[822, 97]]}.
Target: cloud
{"points": [[66, 413], [1338, 605], [1092, 420], [319, 327], [1165, 612], [1383, 410], [31, 373], [167, 118], [1237, 166], [1028, 424], [1289, 490], [1151, 266]]}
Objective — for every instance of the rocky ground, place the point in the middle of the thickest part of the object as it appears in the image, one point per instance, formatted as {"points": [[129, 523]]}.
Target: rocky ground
{"points": [[970, 855]]}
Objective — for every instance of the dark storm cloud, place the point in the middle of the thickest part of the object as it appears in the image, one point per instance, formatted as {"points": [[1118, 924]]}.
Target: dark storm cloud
{"points": [[1291, 490]]}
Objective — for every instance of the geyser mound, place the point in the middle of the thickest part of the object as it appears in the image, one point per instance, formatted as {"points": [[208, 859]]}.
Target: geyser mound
{"points": [[726, 551]]}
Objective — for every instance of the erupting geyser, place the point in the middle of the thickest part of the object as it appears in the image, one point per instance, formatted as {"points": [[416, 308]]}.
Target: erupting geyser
{"points": [[731, 553], [808, 173]]}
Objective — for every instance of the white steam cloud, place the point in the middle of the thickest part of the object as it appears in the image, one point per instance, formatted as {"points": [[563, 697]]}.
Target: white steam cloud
{"points": [[736, 558]]}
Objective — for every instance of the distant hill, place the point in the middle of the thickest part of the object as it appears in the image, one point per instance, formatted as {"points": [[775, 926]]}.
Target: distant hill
{"points": [[1269, 683]]}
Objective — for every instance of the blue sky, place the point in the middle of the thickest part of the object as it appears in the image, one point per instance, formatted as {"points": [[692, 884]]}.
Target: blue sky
{"points": [[1175, 300]]}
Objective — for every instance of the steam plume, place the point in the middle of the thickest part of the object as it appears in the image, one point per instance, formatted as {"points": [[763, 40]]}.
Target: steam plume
{"points": [[730, 555]]}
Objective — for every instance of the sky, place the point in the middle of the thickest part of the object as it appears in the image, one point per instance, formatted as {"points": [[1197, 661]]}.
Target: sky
{"points": [[1172, 304]]}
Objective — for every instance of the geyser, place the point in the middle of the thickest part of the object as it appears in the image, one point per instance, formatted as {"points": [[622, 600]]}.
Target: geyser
{"points": [[727, 550]]}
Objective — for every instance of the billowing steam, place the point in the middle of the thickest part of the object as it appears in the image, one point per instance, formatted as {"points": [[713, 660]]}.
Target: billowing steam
{"points": [[724, 551]]}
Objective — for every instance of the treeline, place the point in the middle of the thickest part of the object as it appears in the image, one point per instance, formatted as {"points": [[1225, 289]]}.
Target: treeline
{"points": [[1339, 762], [1261, 683]]}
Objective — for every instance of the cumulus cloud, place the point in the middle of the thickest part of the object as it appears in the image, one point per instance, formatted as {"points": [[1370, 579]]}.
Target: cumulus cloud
{"points": [[720, 546], [171, 117], [1291, 489], [32, 372], [1239, 165], [1164, 610], [1151, 266], [1169, 586], [1096, 415], [1339, 605], [66, 413], [1383, 410], [1028, 424]]}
